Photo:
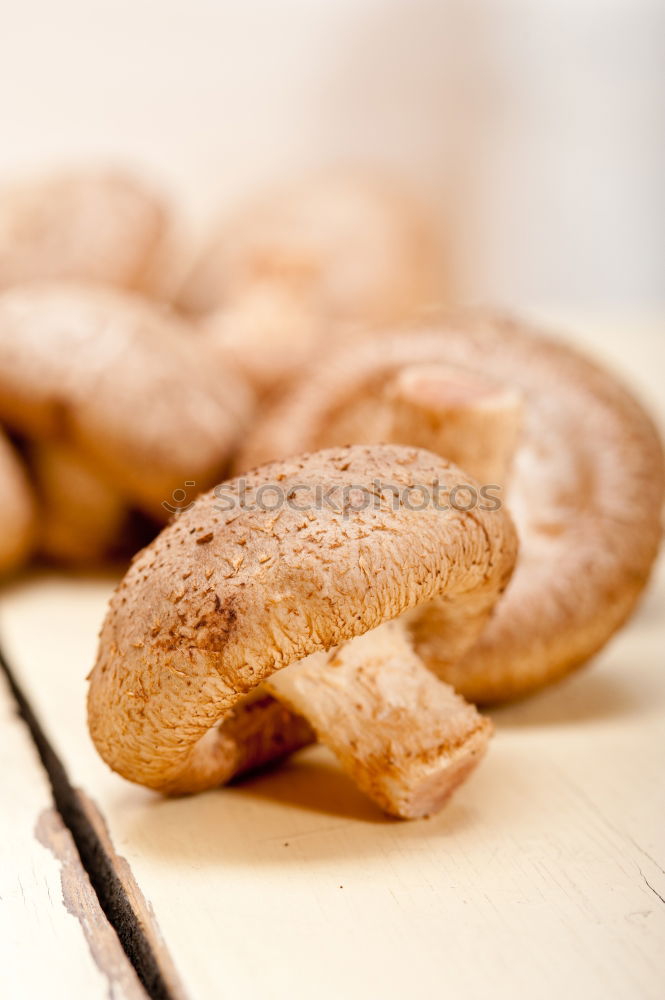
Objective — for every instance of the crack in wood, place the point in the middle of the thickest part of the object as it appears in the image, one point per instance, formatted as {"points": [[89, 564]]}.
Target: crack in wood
{"points": [[648, 883], [119, 896], [82, 903]]}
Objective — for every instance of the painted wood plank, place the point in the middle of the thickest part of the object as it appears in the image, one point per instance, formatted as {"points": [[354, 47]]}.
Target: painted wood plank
{"points": [[54, 938], [544, 877], [548, 867]]}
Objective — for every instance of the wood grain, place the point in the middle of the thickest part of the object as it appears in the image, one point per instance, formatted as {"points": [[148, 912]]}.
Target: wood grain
{"points": [[549, 865], [55, 938], [544, 877]]}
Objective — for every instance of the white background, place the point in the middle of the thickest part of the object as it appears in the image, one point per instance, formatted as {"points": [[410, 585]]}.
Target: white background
{"points": [[536, 128]]}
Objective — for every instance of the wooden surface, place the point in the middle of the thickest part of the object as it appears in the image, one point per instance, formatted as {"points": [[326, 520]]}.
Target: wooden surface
{"points": [[545, 876], [54, 938], [547, 865]]}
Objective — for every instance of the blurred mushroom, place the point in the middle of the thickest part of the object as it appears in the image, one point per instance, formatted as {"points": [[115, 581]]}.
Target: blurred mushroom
{"points": [[91, 225], [585, 483], [17, 503], [122, 383], [232, 595], [299, 265], [268, 333], [82, 519]]}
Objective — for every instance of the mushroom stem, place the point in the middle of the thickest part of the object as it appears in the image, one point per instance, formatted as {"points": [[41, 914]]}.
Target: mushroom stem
{"points": [[404, 737], [259, 731], [81, 515], [18, 528], [467, 419]]}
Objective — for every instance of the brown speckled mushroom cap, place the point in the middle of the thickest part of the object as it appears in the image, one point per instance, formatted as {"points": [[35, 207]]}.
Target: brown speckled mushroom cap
{"points": [[353, 241], [228, 594], [17, 505], [585, 488], [90, 225], [121, 380]]}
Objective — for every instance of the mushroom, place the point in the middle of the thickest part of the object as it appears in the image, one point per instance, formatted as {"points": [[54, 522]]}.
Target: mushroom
{"points": [[298, 265], [123, 384], [288, 584], [268, 332], [90, 225], [472, 420], [18, 509], [82, 518], [585, 481]]}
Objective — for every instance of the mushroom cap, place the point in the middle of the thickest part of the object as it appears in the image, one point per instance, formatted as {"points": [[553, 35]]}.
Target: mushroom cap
{"points": [[354, 241], [121, 380], [230, 592], [17, 504], [91, 225], [586, 487]]}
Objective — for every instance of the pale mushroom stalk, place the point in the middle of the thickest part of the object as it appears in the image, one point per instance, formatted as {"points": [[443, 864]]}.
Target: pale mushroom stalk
{"points": [[261, 591], [405, 738], [467, 419]]}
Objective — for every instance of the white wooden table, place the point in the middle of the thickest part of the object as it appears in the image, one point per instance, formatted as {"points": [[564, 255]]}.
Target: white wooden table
{"points": [[545, 876]]}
